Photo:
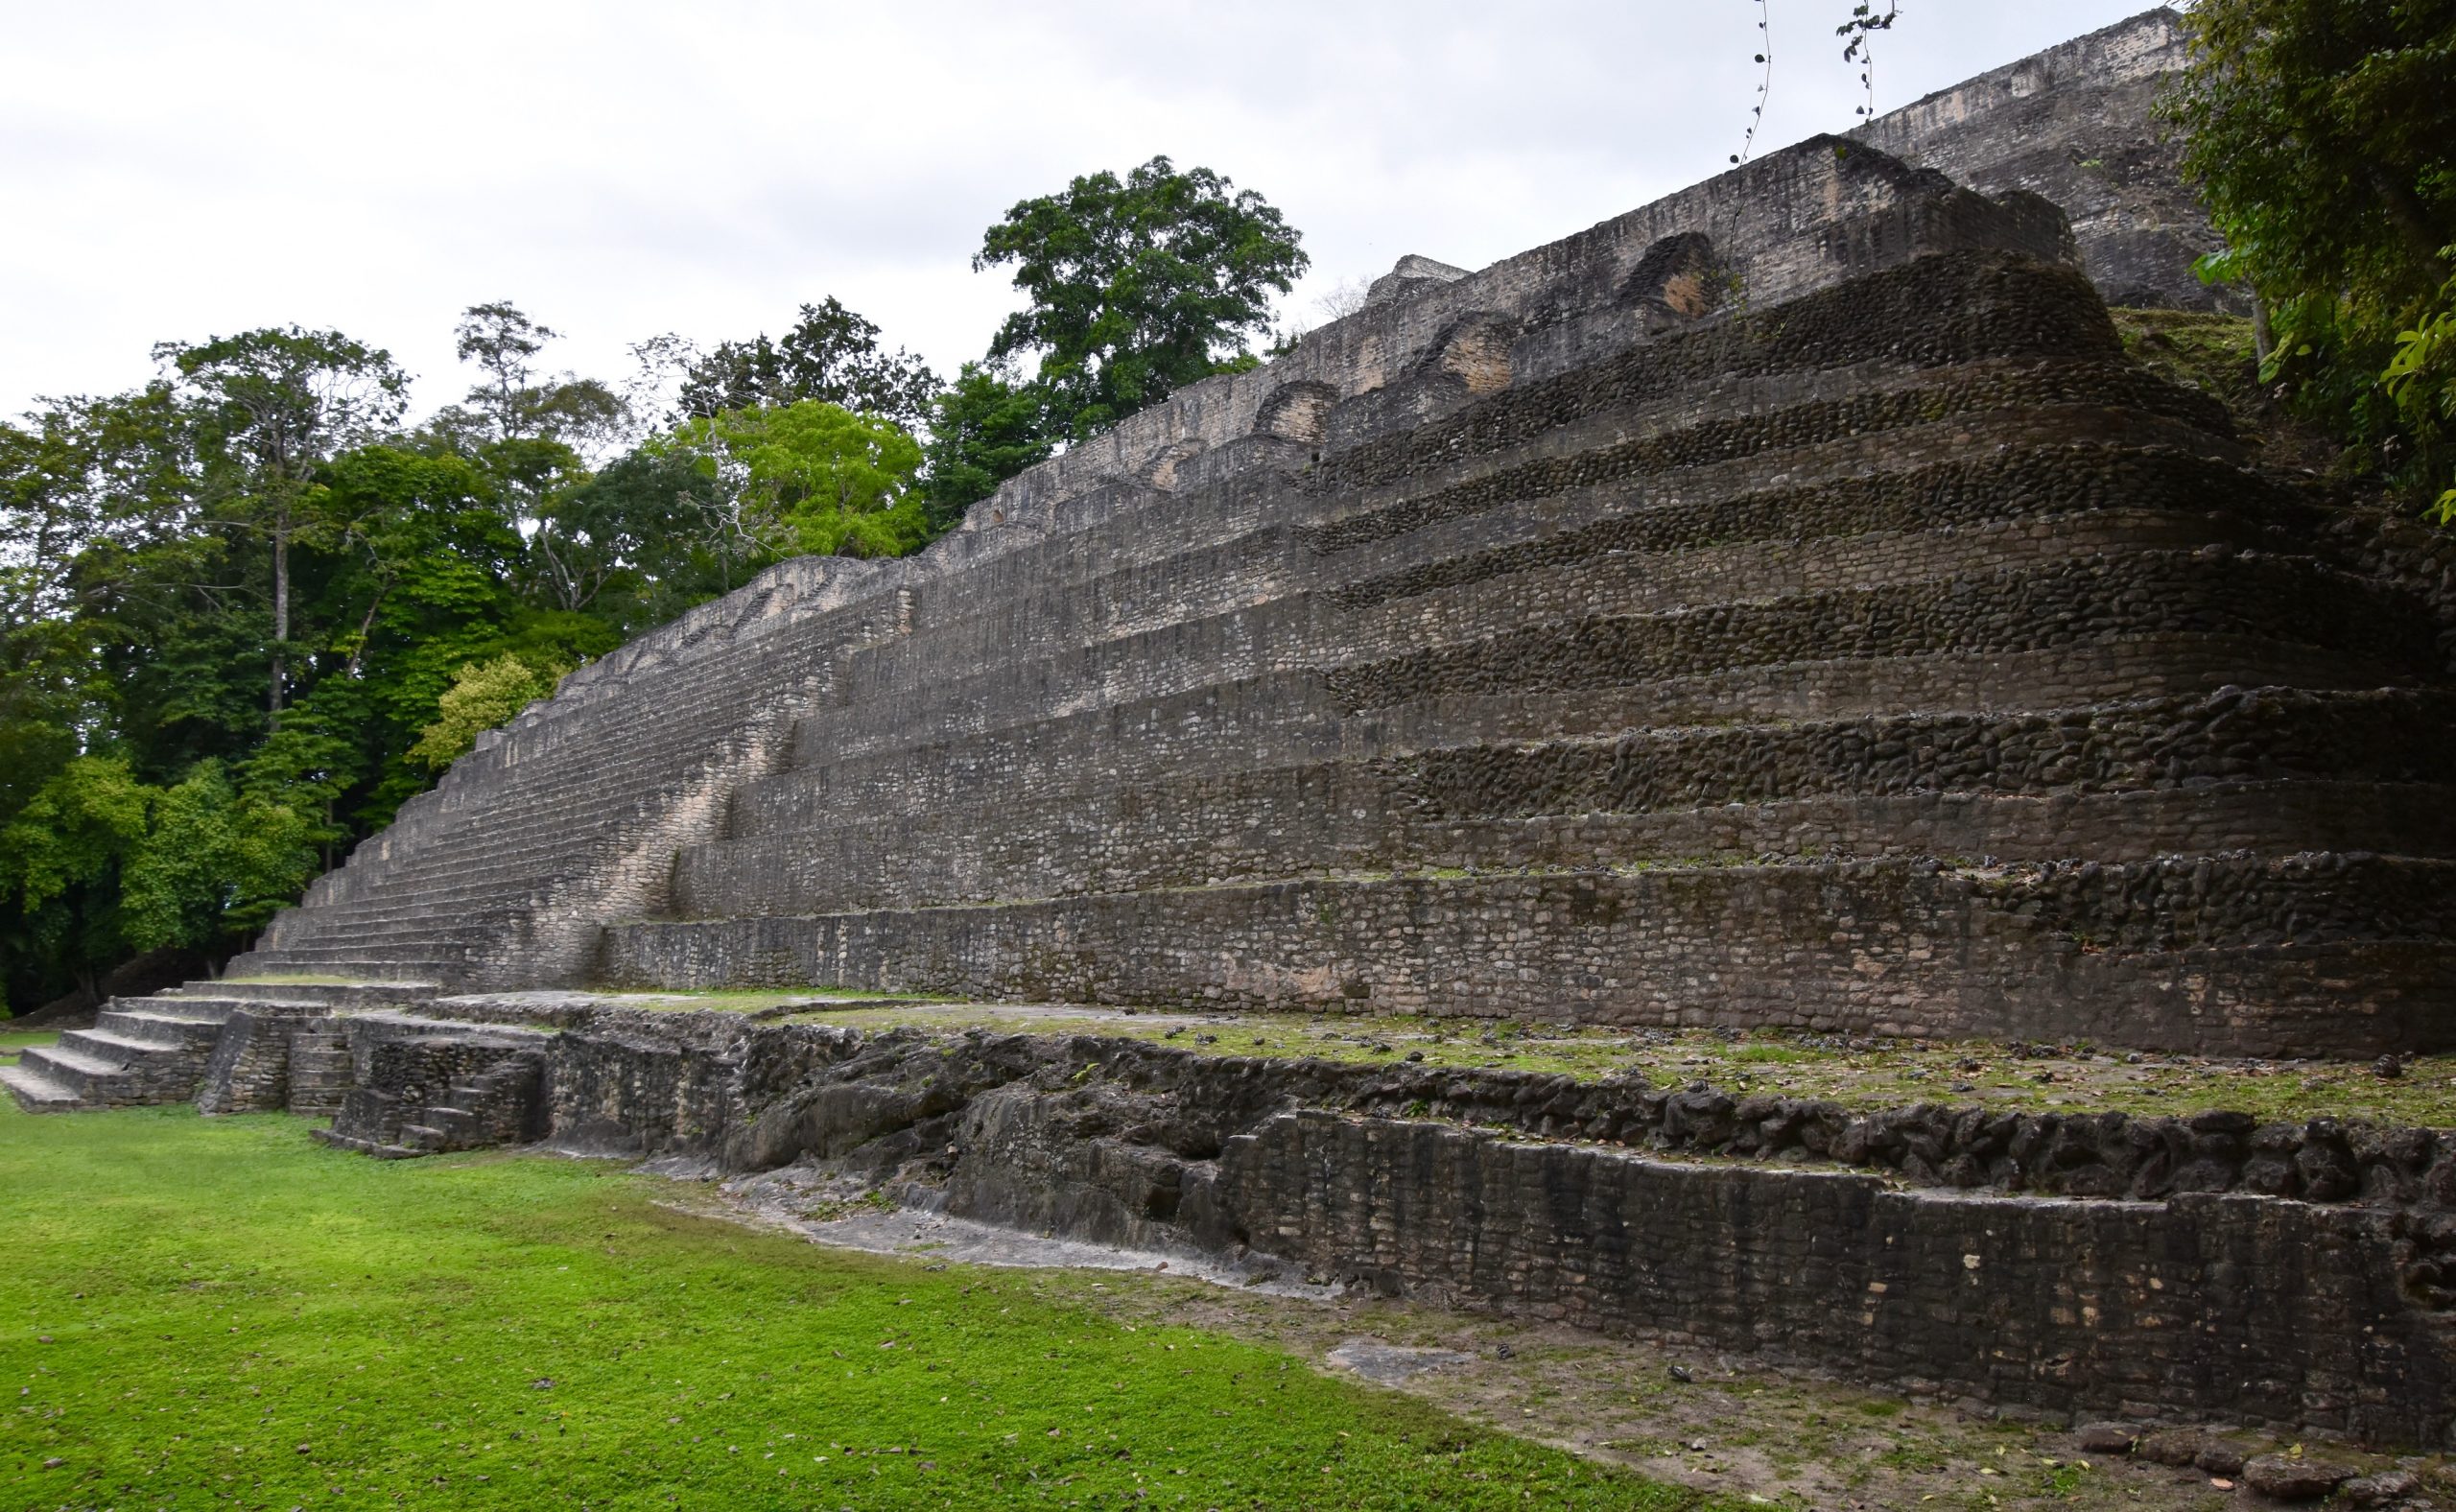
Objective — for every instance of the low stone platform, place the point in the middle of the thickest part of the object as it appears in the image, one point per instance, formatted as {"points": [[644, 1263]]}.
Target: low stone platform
{"points": [[2075, 1261]]}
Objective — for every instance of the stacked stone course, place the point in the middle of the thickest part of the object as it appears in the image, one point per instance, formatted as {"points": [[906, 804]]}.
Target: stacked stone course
{"points": [[2077, 125]]}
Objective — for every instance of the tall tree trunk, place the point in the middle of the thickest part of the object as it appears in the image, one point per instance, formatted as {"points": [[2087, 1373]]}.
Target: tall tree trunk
{"points": [[280, 609]]}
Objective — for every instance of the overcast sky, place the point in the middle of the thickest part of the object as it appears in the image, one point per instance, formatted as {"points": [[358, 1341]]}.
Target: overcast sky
{"points": [[179, 171]]}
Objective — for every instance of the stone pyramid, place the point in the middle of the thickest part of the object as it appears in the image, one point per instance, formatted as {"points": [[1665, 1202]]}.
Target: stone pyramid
{"points": [[1782, 604]]}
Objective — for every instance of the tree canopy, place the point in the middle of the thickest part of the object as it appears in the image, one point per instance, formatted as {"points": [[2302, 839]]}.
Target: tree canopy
{"points": [[831, 355], [2323, 133], [1137, 286], [249, 608]]}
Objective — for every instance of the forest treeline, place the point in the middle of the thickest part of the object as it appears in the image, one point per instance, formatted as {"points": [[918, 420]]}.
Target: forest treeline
{"points": [[249, 608]]}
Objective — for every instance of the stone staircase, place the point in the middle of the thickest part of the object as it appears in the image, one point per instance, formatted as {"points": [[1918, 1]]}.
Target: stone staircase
{"points": [[319, 1070], [158, 1048], [1833, 676], [426, 1087]]}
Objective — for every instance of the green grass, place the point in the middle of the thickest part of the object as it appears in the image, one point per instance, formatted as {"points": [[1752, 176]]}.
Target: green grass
{"points": [[208, 1312], [11, 1044]]}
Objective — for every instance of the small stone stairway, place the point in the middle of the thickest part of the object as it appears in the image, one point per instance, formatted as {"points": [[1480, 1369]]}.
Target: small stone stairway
{"points": [[157, 1049], [433, 1087], [320, 1069]]}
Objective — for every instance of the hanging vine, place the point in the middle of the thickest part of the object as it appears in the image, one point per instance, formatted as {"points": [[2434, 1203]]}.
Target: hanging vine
{"points": [[1765, 81], [1858, 34], [1860, 38]]}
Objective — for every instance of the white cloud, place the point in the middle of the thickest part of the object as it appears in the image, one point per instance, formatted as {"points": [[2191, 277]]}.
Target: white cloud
{"points": [[618, 169]]}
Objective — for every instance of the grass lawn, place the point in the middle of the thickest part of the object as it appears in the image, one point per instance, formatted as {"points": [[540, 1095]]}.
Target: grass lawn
{"points": [[218, 1311]]}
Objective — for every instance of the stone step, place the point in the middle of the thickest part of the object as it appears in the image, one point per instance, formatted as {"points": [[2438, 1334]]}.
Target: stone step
{"points": [[2145, 594], [197, 1008], [1315, 835], [2132, 954], [36, 1093], [1286, 721], [177, 1030], [91, 1077], [1493, 592], [109, 1046]]}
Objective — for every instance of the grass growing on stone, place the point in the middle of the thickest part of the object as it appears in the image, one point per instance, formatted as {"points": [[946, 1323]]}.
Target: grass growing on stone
{"points": [[754, 1000], [1857, 1072], [198, 1311]]}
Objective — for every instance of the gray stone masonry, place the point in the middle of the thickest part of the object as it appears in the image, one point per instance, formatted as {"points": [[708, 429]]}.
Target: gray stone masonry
{"points": [[224, 1045], [423, 1087]]}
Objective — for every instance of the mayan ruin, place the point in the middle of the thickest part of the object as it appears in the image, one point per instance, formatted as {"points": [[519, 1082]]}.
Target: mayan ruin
{"points": [[1782, 609]]}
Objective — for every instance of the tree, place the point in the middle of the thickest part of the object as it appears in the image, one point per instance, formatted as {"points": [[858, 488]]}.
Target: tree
{"points": [[482, 697], [86, 487], [509, 403], [535, 436], [215, 863], [60, 858], [2323, 134], [831, 355], [811, 478], [984, 431], [273, 406], [669, 528], [1137, 287]]}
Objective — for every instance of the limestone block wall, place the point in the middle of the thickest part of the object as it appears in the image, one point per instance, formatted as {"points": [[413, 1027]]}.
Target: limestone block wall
{"points": [[2241, 1305], [2075, 125], [500, 876]]}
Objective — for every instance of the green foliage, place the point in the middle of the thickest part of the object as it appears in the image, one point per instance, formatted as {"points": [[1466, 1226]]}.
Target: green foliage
{"points": [[244, 616], [73, 832], [1137, 287], [831, 355], [665, 528], [518, 1332], [812, 478], [215, 863], [272, 403], [2323, 133], [984, 431], [97, 865], [2420, 381], [481, 697]]}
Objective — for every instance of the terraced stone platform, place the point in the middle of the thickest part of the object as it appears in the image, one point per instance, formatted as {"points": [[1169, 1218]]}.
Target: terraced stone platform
{"points": [[1785, 605]]}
